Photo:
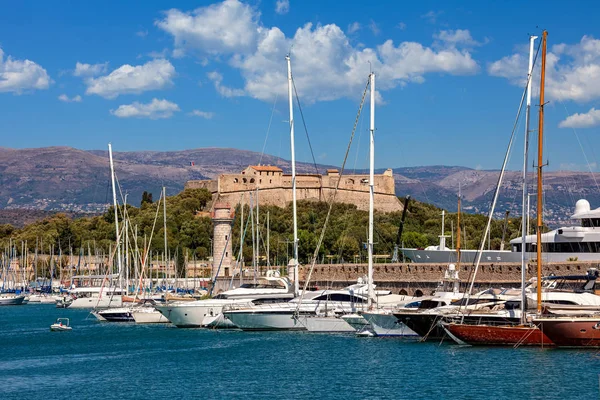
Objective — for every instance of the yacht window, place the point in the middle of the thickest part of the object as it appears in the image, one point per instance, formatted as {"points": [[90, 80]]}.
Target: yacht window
{"points": [[564, 302], [340, 297], [414, 304]]}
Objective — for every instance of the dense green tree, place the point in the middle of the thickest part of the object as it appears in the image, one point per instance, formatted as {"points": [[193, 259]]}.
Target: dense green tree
{"points": [[189, 232]]}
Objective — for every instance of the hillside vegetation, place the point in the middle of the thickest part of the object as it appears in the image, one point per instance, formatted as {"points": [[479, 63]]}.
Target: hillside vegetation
{"points": [[191, 234]]}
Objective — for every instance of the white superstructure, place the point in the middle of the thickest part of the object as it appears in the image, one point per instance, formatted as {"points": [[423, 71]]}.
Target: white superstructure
{"points": [[579, 242]]}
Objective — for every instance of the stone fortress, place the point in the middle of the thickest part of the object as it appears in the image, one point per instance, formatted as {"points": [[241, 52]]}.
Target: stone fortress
{"points": [[275, 188]]}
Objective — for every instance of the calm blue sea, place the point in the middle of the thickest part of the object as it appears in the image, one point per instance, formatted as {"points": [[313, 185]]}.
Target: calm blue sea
{"points": [[128, 361]]}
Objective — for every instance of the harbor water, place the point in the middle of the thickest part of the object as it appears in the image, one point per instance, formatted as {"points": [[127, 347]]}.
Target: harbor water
{"points": [[127, 361]]}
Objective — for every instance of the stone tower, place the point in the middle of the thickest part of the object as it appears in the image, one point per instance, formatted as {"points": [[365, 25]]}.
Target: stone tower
{"points": [[222, 217]]}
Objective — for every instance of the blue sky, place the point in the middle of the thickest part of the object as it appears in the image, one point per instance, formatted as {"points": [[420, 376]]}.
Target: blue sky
{"points": [[168, 75]]}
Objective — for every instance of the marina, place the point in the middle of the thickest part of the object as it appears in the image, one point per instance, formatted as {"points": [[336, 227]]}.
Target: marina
{"points": [[360, 223]]}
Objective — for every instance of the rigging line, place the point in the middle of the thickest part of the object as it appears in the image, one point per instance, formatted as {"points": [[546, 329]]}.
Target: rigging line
{"points": [[240, 258], [305, 128], [360, 131], [332, 201], [268, 129], [583, 151]]}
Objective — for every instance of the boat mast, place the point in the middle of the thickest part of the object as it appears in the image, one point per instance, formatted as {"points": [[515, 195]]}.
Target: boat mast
{"points": [[166, 255], [114, 191], [539, 183], [371, 192], [291, 104], [458, 234], [525, 211]]}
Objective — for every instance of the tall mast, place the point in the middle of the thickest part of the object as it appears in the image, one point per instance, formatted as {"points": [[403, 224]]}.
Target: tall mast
{"points": [[291, 103], [458, 234], [114, 192], [539, 183], [371, 190], [166, 255], [525, 209]]}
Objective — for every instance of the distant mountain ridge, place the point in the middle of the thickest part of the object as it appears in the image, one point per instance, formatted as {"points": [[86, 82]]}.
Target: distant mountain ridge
{"points": [[68, 179]]}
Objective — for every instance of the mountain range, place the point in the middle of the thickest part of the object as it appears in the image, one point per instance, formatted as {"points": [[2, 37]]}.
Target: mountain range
{"points": [[68, 179]]}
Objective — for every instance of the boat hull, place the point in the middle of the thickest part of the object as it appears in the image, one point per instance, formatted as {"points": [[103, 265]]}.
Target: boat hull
{"points": [[116, 315], [571, 332], [265, 321], [384, 324], [427, 325], [12, 300], [327, 324], [149, 317], [490, 335]]}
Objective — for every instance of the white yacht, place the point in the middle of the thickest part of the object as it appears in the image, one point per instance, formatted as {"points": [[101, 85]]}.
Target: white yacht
{"points": [[579, 242], [293, 315], [94, 297], [194, 314], [11, 299]]}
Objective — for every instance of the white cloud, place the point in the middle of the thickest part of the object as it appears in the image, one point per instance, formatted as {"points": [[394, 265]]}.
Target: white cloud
{"points": [[142, 33], [572, 70], [282, 6], [326, 65], [202, 114], [456, 37], [18, 76], [374, 28], [432, 16], [154, 75], [401, 26], [159, 54], [156, 109], [226, 27], [353, 28], [67, 99], [224, 91], [87, 70], [583, 120]]}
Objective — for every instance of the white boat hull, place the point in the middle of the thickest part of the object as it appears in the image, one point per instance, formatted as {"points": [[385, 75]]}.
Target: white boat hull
{"points": [[149, 317], [196, 314], [11, 300], [268, 321], [356, 321], [326, 324], [96, 302], [218, 322], [384, 324]]}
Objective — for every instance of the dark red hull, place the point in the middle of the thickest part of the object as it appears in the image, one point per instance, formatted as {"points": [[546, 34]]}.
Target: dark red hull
{"points": [[571, 332], [489, 335]]}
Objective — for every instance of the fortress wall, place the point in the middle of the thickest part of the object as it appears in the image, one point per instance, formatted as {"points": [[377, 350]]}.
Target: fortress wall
{"points": [[275, 188], [210, 185], [281, 197]]}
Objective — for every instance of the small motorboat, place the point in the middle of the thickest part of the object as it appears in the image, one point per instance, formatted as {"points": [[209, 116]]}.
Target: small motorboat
{"points": [[61, 324]]}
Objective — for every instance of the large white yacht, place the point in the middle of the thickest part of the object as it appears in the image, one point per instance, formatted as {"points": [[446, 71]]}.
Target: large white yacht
{"points": [[579, 242], [194, 314]]}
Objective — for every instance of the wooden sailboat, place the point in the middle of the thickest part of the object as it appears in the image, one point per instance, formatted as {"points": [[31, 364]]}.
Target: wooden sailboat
{"points": [[524, 333]]}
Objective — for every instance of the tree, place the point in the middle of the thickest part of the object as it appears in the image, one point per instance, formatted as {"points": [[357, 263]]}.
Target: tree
{"points": [[146, 198]]}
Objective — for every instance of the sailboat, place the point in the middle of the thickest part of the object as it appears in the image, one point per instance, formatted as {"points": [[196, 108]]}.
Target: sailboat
{"points": [[523, 333]]}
